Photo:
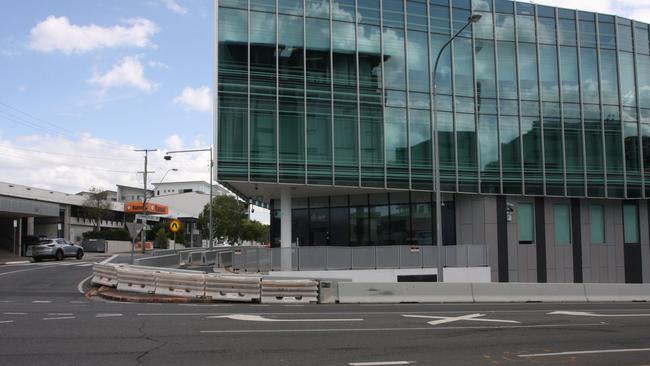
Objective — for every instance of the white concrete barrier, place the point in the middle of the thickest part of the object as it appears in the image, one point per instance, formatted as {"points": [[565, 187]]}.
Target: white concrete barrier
{"points": [[233, 288], [289, 291], [368, 293], [134, 280], [180, 284], [528, 292], [617, 292], [105, 275]]}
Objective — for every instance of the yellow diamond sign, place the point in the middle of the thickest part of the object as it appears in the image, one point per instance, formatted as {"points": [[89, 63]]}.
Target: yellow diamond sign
{"points": [[174, 226]]}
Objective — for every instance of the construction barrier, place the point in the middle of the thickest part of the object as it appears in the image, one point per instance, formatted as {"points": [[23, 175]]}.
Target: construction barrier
{"points": [[617, 292], [289, 291], [167, 260], [528, 292], [134, 280], [105, 275], [179, 284], [409, 292], [233, 288]]}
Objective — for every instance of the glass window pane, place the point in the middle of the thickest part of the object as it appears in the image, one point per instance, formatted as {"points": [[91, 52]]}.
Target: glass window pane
{"points": [[368, 11], [467, 157], [562, 224], [416, 15], [546, 30], [483, 28], [396, 147], [625, 38], [343, 10], [587, 33], [393, 13], [596, 224], [525, 224], [526, 28], [505, 25], [609, 76], [569, 74], [607, 35], [628, 85], [443, 73], [418, 61], [549, 73], [447, 148], [641, 39], [463, 67], [589, 69], [293, 7], [507, 67], [643, 80], [631, 223], [511, 154], [489, 153], [485, 73], [420, 140], [528, 71], [567, 32], [317, 8], [394, 62], [439, 17]]}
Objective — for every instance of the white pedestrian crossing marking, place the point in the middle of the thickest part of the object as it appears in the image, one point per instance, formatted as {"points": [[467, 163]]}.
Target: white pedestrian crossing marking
{"points": [[451, 319]]}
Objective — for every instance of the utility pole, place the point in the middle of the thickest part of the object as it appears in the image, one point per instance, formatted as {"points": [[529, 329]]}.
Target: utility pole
{"points": [[144, 196]]}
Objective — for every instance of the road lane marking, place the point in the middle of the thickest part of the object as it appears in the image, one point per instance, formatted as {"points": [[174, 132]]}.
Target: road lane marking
{"points": [[60, 318], [597, 351], [18, 262], [80, 285], [584, 313], [381, 363], [6, 321], [6, 301], [107, 260], [85, 265], [107, 315], [60, 314], [23, 270], [15, 313], [334, 330], [258, 318], [468, 317], [41, 302]]}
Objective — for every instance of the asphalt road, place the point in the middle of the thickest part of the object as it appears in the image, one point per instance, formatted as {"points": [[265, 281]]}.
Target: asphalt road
{"points": [[46, 320]]}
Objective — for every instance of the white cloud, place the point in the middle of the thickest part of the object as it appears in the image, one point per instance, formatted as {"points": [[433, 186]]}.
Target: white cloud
{"points": [[199, 99], [174, 142], [58, 34], [175, 7], [158, 65], [76, 164], [129, 72]]}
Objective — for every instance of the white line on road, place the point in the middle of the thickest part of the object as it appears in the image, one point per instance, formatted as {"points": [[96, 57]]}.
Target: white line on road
{"points": [[257, 318], [85, 265], [41, 302], [80, 285], [6, 301], [335, 330], [59, 314], [60, 318], [107, 260], [470, 317], [381, 363], [107, 315], [586, 352], [15, 313], [584, 313], [6, 321], [18, 262], [23, 270]]}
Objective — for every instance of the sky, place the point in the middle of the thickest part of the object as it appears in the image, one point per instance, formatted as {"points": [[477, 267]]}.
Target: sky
{"points": [[84, 83]]}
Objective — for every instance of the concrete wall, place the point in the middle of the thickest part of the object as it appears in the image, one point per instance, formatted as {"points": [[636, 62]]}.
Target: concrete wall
{"points": [[522, 258], [559, 257], [603, 263], [476, 224]]}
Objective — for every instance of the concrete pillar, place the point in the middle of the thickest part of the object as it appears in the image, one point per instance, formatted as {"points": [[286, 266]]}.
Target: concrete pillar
{"points": [[285, 228], [30, 226]]}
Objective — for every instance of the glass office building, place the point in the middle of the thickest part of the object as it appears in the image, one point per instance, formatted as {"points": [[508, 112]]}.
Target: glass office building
{"points": [[334, 100]]}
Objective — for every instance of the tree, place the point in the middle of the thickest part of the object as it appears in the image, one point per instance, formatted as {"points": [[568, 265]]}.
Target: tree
{"points": [[227, 216], [255, 231], [161, 238], [96, 207]]}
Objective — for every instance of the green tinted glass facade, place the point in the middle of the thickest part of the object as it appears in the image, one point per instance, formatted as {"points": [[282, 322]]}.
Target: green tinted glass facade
{"points": [[530, 100]]}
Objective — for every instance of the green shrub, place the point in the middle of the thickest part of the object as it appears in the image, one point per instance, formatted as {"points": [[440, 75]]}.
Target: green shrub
{"points": [[108, 234]]}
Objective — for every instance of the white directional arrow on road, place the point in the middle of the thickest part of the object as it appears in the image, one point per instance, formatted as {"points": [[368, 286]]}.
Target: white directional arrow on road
{"points": [[584, 313], [258, 318], [450, 319]]}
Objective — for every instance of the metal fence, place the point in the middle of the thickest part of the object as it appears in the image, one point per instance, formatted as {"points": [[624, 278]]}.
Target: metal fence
{"points": [[260, 259]]}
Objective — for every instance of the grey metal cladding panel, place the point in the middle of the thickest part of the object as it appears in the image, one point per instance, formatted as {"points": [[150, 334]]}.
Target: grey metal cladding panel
{"points": [[645, 241], [20, 206], [490, 210]]}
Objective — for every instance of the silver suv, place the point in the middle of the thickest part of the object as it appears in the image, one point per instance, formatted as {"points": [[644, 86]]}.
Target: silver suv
{"points": [[56, 248]]}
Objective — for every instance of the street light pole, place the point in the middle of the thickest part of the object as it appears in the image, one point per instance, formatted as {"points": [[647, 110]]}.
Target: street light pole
{"points": [[210, 225], [436, 156]]}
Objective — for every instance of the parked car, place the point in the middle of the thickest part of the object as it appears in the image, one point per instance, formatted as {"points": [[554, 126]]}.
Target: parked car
{"points": [[57, 248]]}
